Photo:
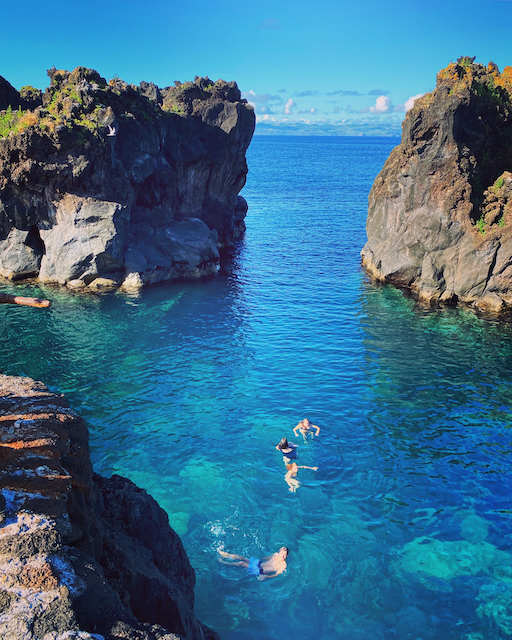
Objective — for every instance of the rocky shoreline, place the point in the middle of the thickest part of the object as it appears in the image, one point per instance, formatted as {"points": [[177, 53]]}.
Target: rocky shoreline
{"points": [[81, 556], [440, 211], [106, 185]]}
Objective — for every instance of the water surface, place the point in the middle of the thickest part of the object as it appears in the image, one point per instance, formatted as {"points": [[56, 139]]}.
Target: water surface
{"points": [[404, 530]]}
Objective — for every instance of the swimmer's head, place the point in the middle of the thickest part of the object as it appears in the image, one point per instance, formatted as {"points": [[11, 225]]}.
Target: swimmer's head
{"points": [[283, 552], [305, 423], [283, 443]]}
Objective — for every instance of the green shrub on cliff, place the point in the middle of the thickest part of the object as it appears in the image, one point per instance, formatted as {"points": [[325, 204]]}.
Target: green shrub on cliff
{"points": [[466, 61], [8, 121], [480, 225], [16, 121]]}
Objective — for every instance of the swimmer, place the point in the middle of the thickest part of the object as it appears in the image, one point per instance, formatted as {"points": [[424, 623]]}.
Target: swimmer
{"points": [[304, 427], [288, 449], [268, 567], [291, 475]]}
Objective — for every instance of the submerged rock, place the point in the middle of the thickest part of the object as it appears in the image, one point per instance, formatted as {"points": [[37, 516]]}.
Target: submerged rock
{"points": [[110, 180], [81, 556], [440, 211], [435, 562], [496, 606]]}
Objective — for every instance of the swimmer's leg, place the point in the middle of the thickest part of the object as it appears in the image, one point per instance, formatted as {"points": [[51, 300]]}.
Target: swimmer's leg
{"points": [[240, 563], [294, 485], [233, 556]]}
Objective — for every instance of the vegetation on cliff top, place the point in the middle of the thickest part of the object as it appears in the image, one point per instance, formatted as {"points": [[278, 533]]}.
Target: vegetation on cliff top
{"points": [[483, 132], [83, 102]]}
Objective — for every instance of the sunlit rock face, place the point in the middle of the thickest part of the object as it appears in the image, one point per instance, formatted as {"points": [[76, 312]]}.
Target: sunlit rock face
{"points": [[440, 211], [132, 184], [81, 556]]}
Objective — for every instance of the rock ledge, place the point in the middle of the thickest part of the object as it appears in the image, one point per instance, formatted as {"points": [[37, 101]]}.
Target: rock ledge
{"points": [[81, 556]]}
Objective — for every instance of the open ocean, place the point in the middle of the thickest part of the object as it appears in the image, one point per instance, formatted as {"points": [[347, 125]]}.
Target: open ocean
{"points": [[404, 532]]}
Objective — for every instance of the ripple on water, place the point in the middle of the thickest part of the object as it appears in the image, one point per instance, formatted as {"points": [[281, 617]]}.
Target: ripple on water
{"points": [[404, 531]]}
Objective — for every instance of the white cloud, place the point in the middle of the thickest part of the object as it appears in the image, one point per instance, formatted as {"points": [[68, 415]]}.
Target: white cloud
{"points": [[306, 94], [252, 97], [265, 118], [289, 107], [262, 108], [313, 110], [260, 100], [409, 104], [383, 104]]}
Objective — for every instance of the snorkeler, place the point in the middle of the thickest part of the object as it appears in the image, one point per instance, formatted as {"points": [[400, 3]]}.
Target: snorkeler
{"points": [[288, 449], [268, 567], [291, 475], [305, 427]]}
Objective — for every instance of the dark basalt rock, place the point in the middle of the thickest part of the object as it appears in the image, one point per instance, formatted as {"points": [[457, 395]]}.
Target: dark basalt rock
{"points": [[78, 552], [440, 211], [9, 97], [129, 184]]}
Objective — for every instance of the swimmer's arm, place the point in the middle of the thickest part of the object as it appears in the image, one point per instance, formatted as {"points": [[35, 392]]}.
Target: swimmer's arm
{"points": [[303, 467], [295, 429], [317, 429], [277, 572], [264, 576]]}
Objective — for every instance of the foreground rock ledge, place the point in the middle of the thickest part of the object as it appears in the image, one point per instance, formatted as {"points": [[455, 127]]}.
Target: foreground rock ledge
{"points": [[440, 211], [108, 185], [81, 556]]}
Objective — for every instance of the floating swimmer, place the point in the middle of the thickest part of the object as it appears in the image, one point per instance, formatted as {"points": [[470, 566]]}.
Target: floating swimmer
{"points": [[288, 449], [291, 475], [305, 427], [268, 567]]}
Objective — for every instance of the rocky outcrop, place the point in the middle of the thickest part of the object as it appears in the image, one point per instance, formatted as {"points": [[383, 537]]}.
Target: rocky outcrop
{"points": [[81, 556], [440, 211], [121, 184]]}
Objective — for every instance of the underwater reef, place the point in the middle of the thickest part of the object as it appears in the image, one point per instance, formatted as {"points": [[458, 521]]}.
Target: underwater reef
{"points": [[81, 556], [108, 184], [440, 211]]}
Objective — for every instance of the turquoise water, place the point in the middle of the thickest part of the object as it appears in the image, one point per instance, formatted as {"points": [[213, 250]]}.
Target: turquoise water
{"points": [[404, 530]]}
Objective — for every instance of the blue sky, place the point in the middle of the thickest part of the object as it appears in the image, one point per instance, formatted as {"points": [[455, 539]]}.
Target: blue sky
{"points": [[335, 66]]}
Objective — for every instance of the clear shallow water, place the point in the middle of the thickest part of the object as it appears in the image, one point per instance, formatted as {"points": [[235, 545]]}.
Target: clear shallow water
{"points": [[404, 531]]}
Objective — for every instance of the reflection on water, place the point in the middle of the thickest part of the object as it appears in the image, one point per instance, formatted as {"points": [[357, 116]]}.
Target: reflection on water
{"points": [[404, 530]]}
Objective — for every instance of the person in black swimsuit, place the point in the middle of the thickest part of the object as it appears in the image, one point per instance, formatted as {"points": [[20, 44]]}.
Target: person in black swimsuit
{"points": [[288, 449]]}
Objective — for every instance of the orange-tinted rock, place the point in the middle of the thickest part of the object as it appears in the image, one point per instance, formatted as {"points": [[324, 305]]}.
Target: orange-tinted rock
{"points": [[77, 551]]}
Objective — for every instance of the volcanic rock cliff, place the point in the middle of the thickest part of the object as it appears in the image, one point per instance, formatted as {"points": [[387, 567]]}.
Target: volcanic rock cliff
{"points": [[81, 556], [110, 184], [440, 211]]}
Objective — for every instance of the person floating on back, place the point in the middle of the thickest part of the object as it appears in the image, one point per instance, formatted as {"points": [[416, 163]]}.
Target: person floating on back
{"points": [[306, 427], [268, 567], [291, 475], [288, 449]]}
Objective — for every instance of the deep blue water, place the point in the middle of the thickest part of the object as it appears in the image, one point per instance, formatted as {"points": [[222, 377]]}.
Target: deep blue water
{"points": [[405, 529]]}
